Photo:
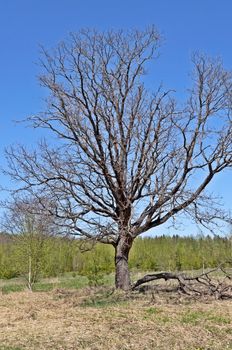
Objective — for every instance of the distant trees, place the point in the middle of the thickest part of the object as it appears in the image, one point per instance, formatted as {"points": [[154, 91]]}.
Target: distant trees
{"points": [[127, 159], [30, 233], [61, 255]]}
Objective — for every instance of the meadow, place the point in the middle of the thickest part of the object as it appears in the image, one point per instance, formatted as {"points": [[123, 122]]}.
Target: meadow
{"points": [[74, 305], [97, 318]]}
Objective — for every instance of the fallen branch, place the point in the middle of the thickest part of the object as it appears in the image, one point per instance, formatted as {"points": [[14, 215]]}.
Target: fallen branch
{"points": [[204, 284]]}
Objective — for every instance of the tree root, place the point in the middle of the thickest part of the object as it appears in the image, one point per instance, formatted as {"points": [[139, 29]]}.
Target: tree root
{"points": [[216, 282]]}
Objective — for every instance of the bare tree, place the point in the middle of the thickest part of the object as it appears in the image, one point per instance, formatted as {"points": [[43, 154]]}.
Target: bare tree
{"points": [[127, 159]]}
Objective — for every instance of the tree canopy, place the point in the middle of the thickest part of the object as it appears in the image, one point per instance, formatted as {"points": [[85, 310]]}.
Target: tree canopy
{"points": [[127, 159]]}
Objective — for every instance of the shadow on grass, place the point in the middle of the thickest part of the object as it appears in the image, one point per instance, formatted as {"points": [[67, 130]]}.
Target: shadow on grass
{"points": [[106, 297]]}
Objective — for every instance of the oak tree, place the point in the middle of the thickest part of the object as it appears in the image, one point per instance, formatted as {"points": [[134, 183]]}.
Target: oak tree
{"points": [[126, 159]]}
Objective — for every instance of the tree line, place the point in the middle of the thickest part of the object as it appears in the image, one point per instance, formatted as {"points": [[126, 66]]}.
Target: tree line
{"points": [[52, 256]]}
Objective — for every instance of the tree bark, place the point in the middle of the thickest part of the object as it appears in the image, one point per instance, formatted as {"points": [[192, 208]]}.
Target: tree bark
{"points": [[122, 273]]}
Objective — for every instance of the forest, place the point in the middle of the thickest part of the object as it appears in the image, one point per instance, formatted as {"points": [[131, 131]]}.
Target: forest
{"points": [[52, 256]]}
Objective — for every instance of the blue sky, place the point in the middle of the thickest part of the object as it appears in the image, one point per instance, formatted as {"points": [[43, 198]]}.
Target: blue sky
{"points": [[186, 25]]}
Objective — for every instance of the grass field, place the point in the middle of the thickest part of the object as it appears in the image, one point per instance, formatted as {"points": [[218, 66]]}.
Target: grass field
{"points": [[99, 318]]}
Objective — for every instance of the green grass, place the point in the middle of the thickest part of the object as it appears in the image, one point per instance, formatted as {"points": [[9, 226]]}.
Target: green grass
{"points": [[156, 314], [105, 298], [45, 285], [152, 311], [195, 317], [99, 303], [73, 283], [65, 281], [12, 288], [219, 319], [192, 317]]}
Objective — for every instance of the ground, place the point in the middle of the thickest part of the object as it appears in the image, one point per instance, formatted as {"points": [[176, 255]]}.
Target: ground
{"points": [[100, 318]]}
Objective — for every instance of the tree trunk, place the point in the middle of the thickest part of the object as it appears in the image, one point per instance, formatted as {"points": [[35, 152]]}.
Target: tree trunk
{"points": [[122, 273]]}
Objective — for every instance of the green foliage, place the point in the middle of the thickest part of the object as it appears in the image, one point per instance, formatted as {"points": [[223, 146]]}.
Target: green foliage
{"points": [[60, 256], [8, 267], [28, 253], [179, 253], [97, 263], [54, 256]]}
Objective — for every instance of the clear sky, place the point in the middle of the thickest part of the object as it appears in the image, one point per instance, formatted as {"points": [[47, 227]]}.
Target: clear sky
{"points": [[186, 25]]}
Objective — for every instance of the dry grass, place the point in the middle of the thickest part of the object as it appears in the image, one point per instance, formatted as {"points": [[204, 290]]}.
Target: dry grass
{"points": [[96, 319]]}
